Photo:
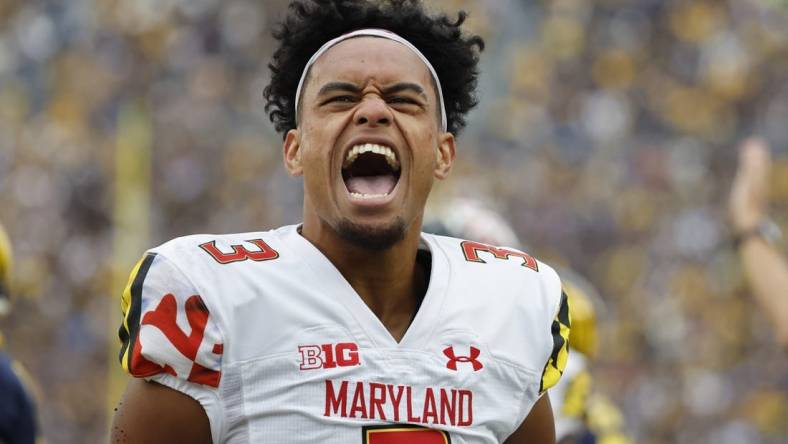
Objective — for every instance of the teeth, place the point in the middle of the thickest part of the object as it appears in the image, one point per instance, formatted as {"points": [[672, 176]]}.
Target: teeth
{"points": [[385, 151], [368, 196]]}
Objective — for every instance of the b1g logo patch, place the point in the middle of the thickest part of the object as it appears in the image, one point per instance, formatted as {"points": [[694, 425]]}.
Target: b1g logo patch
{"points": [[403, 434], [343, 354]]}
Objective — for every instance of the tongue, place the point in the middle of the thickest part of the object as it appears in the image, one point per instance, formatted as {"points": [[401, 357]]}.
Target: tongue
{"points": [[382, 184]]}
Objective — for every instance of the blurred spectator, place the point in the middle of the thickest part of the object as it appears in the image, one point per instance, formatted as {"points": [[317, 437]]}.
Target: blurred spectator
{"points": [[603, 132], [18, 423], [756, 236]]}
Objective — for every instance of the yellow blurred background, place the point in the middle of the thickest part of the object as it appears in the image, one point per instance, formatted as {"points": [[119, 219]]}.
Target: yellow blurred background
{"points": [[606, 132]]}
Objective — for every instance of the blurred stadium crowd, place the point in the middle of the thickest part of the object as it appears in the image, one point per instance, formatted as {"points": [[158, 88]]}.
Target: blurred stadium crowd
{"points": [[606, 131]]}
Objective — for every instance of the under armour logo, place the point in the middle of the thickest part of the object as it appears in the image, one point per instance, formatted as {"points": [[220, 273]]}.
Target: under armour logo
{"points": [[454, 359]]}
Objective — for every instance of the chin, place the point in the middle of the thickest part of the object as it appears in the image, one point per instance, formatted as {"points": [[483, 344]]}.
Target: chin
{"points": [[372, 237]]}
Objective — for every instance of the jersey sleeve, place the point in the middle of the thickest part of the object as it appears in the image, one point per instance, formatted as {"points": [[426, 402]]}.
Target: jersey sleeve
{"points": [[559, 330], [168, 335]]}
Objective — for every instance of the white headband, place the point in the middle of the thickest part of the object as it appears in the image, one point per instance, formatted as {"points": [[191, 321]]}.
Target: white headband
{"points": [[374, 32]]}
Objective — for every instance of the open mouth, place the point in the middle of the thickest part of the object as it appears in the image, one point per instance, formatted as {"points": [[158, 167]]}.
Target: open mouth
{"points": [[370, 171]]}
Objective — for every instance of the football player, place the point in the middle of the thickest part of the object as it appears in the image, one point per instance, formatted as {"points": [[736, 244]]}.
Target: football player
{"points": [[582, 414], [18, 423], [353, 326]]}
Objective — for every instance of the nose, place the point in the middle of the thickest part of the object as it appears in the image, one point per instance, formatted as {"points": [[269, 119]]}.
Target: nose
{"points": [[373, 111]]}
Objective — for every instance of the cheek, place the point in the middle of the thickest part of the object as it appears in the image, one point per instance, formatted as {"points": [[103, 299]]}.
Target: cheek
{"points": [[423, 170], [316, 143], [427, 156], [421, 136], [316, 158], [322, 135]]}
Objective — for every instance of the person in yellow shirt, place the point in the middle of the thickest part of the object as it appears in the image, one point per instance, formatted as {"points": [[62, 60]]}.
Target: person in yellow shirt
{"points": [[18, 423]]}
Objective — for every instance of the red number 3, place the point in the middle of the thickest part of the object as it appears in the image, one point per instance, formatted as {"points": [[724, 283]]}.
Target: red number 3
{"points": [[403, 434], [240, 253]]}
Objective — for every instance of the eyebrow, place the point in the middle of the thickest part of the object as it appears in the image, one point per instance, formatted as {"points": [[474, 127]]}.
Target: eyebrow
{"points": [[404, 86], [338, 86], [393, 89]]}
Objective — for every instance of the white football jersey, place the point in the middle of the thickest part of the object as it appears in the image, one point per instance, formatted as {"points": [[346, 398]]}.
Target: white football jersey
{"points": [[267, 335]]}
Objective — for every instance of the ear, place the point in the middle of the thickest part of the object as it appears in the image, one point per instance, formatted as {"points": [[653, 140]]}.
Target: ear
{"points": [[445, 156], [291, 148]]}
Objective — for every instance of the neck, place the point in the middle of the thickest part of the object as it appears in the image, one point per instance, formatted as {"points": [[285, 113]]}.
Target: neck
{"points": [[389, 281]]}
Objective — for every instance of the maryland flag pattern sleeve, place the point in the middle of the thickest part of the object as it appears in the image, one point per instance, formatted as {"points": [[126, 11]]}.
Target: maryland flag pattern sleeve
{"points": [[559, 329], [167, 333]]}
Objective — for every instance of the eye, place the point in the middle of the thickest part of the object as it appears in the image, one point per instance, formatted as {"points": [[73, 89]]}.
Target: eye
{"points": [[402, 100], [342, 99]]}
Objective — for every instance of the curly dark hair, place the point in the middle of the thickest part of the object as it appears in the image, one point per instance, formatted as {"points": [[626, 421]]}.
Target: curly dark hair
{"points": [[311, 23]]}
